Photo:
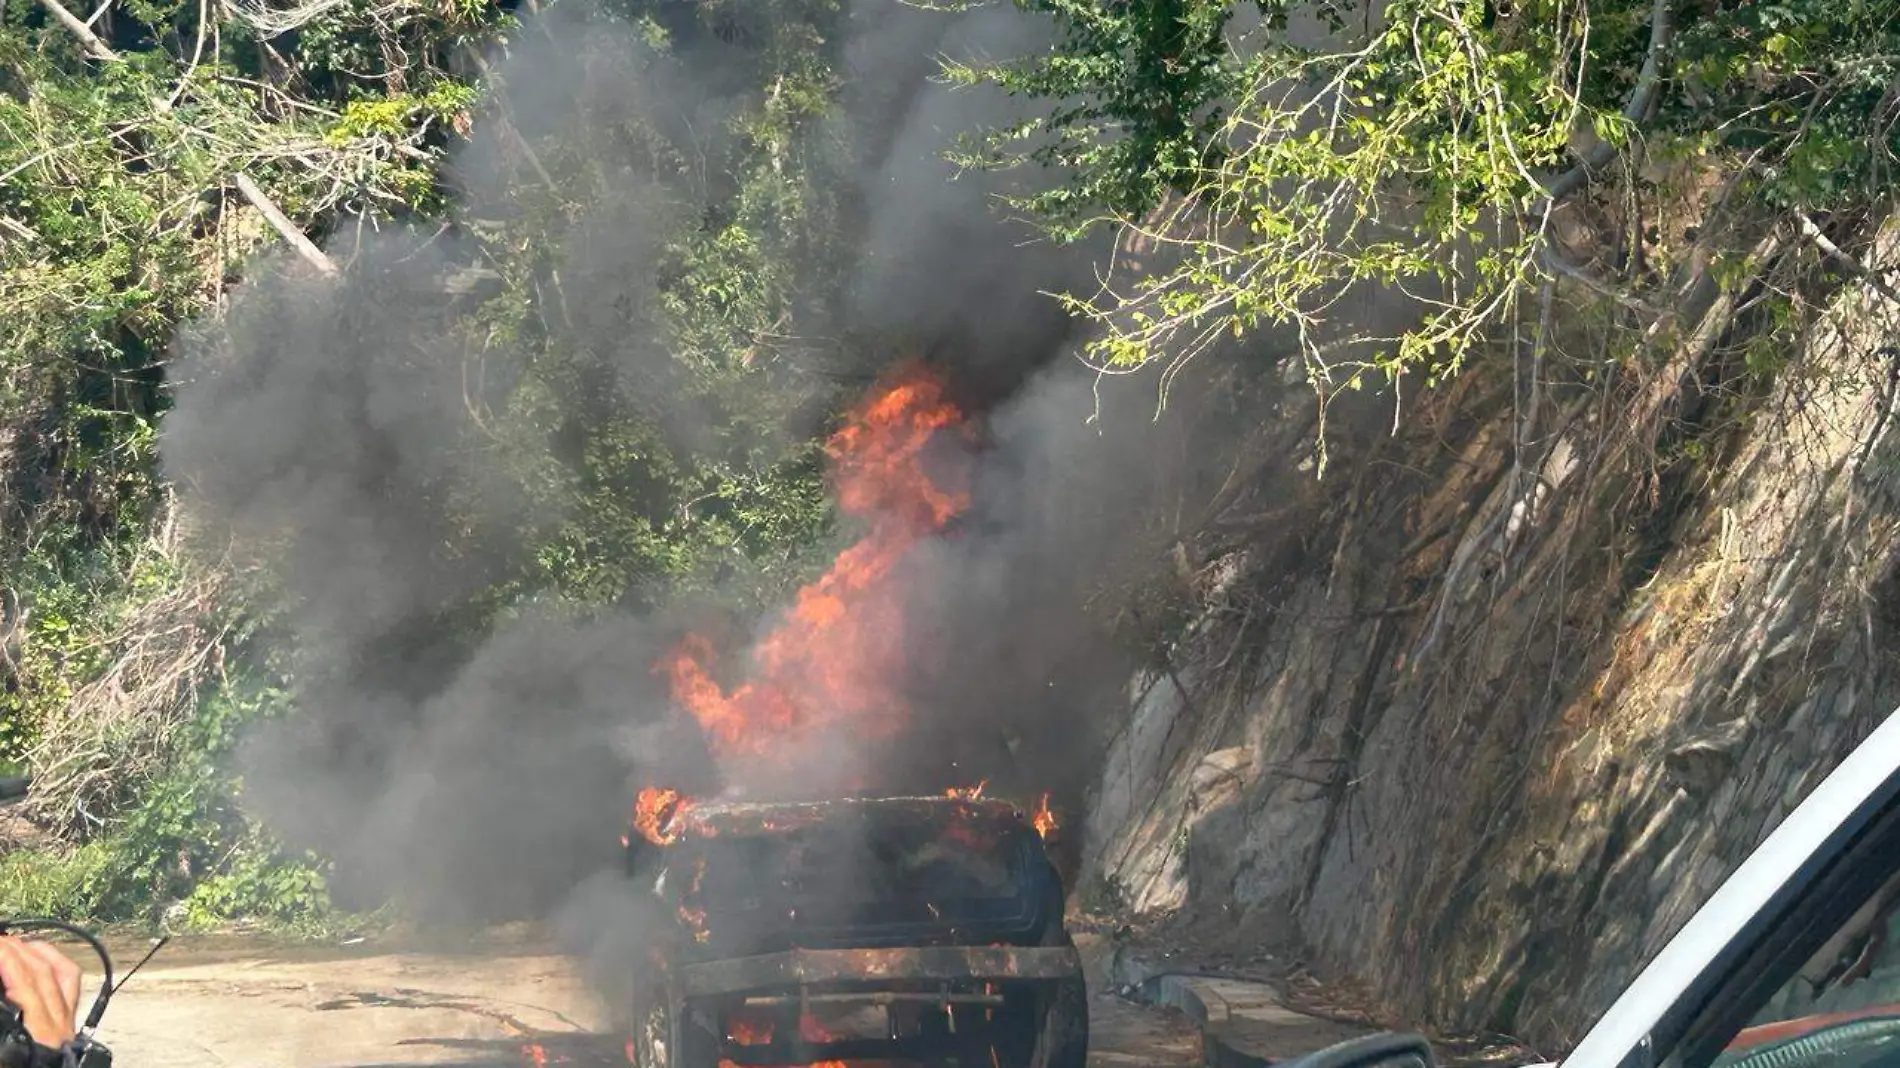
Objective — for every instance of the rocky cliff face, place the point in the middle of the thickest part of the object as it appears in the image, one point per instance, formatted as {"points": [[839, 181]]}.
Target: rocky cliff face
{"points": [[1479, 719]]}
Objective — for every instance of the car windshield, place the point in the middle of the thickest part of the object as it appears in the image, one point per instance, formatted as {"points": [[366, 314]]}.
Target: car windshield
{"points": [[1842, 1008]]}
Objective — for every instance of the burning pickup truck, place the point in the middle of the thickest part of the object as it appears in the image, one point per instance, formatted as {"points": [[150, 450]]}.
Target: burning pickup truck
{"points": [[892, 929]]}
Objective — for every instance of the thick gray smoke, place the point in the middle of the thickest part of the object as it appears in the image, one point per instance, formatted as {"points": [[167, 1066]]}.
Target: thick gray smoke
{"points": [[938, 263], [343, 430]]}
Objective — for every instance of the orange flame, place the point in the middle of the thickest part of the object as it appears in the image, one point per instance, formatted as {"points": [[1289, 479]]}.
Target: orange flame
{"points": [[746, 1030], [832, 661], [536, 1054], [694, 917], [655, 812], [810, 1030], [1042, 819], [967, 793]]}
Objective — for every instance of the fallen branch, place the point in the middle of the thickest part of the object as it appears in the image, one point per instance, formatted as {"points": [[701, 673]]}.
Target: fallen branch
{"points": [[118, 730], [284, 227], [95, 47], [1840, 256]]}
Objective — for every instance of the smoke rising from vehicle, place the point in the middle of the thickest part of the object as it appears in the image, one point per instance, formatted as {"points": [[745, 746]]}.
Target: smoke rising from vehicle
{"points": [[342, 432]]}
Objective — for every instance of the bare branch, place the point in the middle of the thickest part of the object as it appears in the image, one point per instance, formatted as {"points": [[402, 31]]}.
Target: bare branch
{"points": [[1556, 263], [1846, 262], [94, 46], [508, 123], [197, 53], [1662, 31], [272, 22], [284, 227]]}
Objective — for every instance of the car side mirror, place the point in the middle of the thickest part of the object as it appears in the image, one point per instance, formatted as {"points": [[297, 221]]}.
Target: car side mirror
{"points": [[1386, 1049]]}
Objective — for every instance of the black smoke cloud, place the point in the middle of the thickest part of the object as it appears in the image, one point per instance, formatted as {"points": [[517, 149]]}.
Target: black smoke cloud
{"points": [[328, 431], [938, 261], [333, 429]]}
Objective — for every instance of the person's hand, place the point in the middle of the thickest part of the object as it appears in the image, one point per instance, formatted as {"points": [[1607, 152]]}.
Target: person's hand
{"points": [[44, 984]]}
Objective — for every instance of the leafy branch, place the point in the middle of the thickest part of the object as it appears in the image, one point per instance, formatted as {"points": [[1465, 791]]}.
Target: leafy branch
{"points": [[1401, 165], [1383, 202]]}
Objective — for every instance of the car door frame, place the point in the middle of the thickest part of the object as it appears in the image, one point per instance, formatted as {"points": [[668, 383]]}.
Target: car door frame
{"points": [[1763, 922]]}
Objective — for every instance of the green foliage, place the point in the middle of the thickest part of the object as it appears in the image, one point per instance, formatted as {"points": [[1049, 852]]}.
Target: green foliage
{"points": [[79, 591], [42, 882], [184, 840], [703, 491], [394, 116], [1802, 90], [1140, 92], [259, 882], [1383, 158], [120, 219], [1414, 152], [185, 817]]}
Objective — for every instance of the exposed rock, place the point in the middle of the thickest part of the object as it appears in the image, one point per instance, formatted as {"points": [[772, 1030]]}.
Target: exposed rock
{"points": [[1482, 739]]}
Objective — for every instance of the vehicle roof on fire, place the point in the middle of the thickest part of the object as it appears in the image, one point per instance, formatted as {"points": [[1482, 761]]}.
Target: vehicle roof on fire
{"points": [[772, 817]]}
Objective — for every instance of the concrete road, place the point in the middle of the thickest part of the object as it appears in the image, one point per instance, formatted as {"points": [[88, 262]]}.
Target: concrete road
{"points": [[295, 1008]]}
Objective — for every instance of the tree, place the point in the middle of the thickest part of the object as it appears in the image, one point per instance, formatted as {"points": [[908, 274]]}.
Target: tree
{"points": [[1339, 153], [149, 162]]}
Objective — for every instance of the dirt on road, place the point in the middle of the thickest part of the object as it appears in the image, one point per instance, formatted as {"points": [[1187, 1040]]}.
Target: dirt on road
{"points": [[233, 1002]]}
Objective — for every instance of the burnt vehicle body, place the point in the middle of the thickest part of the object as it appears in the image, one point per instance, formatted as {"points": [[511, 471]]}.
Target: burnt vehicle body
{"points": [[923, 930]]}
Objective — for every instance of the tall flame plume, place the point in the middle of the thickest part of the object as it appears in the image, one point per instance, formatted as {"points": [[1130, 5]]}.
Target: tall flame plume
{"points": [[833, 662]]}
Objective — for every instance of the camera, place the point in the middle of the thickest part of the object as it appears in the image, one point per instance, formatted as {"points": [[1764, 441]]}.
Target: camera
{"points": [[18, 1048]]}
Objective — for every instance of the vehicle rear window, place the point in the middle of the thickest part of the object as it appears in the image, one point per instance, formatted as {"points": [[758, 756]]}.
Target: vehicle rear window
{"points": [[865, 857]]}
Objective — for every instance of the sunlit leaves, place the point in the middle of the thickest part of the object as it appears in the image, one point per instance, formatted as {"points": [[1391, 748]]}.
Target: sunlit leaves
{"points": [[1407, 154], [1391, 156]]}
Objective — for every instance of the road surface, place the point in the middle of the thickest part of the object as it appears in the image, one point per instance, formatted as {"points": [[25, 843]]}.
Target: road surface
{"points": [[268, 1007]]}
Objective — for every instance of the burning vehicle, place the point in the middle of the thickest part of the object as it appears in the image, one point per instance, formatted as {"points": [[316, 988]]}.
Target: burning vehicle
{"points": [[819, 921], [927, 930]]}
